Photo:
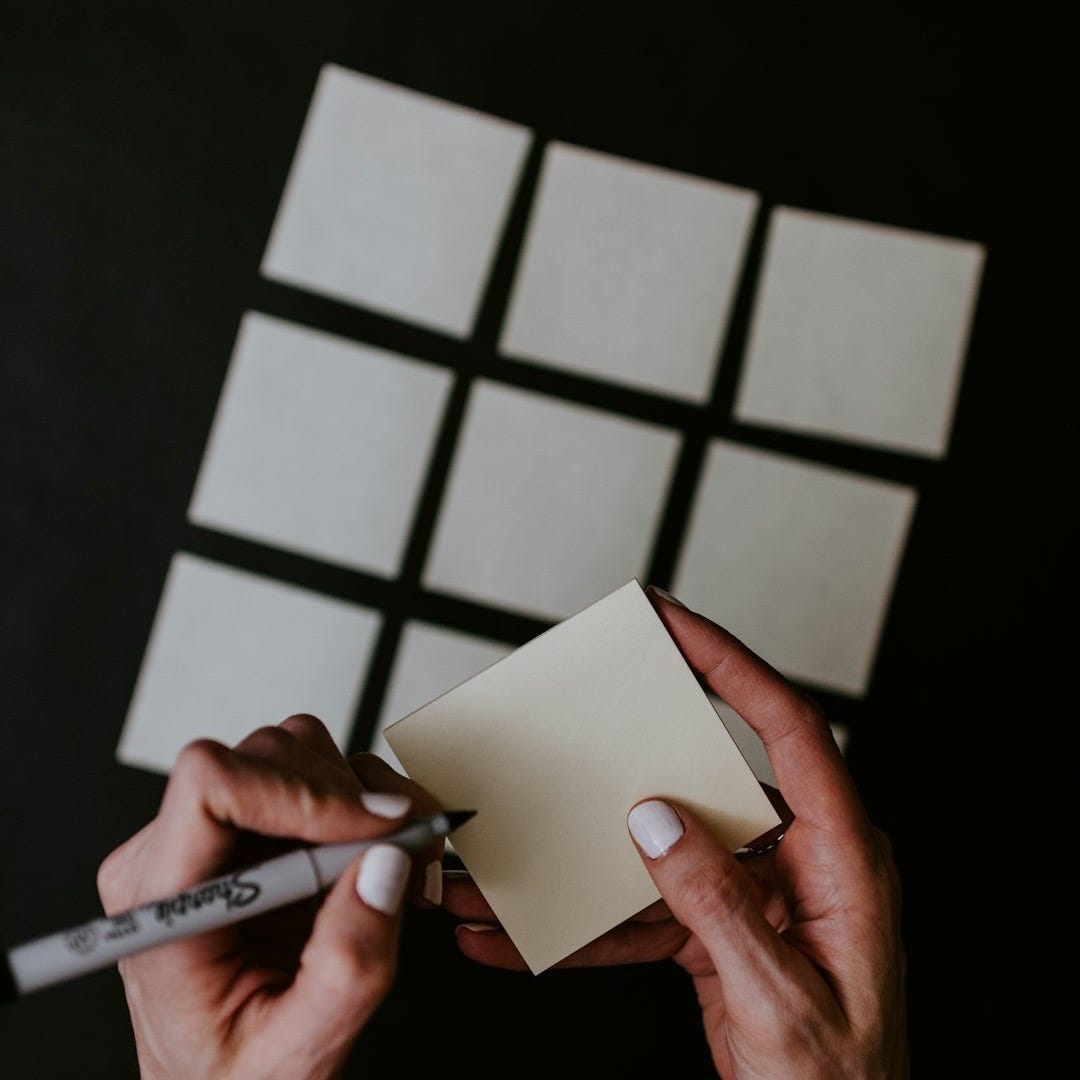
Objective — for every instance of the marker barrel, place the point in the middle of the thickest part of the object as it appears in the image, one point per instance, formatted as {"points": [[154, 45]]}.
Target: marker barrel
{"points": [[208, 906]]}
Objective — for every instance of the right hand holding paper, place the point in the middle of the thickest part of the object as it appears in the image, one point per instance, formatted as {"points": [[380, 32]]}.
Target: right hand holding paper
{"points": [[552, 745]]}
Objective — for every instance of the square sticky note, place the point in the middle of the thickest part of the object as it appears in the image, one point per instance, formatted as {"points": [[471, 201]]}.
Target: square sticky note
{"points": [[231, 651], [628, 272], [552, 747], [796, 559], [320, 445], [395, 201], [430, 660], [547, 502], [859, 331]]}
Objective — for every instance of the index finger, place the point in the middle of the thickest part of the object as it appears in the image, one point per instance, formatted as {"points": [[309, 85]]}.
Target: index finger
{"points": [[809, 769], [214, 793], [426, 884]]}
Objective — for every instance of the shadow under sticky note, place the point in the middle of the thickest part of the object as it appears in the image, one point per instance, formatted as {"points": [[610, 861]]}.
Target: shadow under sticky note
{"points": [[552, 746]]}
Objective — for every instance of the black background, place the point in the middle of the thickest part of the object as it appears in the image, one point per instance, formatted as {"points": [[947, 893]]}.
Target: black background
{"points": [[144, 148]]}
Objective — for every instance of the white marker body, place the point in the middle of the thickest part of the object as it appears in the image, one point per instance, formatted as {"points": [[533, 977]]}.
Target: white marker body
{"points": [[207, 906]]}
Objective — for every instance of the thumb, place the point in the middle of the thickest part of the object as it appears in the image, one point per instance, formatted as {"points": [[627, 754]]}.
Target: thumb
{"points": [[349, 962], [713, 895]]}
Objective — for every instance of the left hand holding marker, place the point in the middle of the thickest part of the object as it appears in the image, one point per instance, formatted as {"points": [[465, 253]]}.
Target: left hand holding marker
{"points": [[284, 994]]}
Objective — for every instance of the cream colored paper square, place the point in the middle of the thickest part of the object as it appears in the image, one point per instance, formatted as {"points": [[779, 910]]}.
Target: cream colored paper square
{"points": [[796, 559], [395, 201], [549, 504], [628, 272], [859, 331], [430, 660], [231, 651], [552, 746], [320, 445]]}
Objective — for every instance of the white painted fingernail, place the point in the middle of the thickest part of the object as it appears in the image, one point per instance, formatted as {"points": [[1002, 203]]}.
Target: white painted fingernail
{"points": [[384, 870], [666, 596], [655, 827], [385, 804], [477, 927], [433, 883]]}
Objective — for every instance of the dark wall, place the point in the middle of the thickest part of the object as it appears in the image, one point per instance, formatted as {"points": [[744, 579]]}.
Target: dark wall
{"points": [[143, 148]]}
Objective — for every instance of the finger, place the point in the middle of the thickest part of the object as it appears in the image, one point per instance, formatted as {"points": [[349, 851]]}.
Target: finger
{"points": [[349, 962], [629, 943], [462, 897], [376, 775], [711, 893], [302, 745], [213, 792], [655, 912], [311, 731], [426, 881], [117, 872], [809, 768]]}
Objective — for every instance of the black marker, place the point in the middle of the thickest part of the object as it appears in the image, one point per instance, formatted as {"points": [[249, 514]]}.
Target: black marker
{"points": [[212, 904]]}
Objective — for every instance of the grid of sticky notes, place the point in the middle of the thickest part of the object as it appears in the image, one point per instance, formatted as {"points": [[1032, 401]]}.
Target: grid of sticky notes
{"points": [[396, 202]]}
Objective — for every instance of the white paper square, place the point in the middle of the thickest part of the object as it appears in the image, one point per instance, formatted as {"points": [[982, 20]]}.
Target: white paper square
{"points": [[320, 445], [395, 201], [859, 331], [796, 559], [430, 660], [552, 747], [628, 272], [548, 503], [231, 652], [752, 748]]}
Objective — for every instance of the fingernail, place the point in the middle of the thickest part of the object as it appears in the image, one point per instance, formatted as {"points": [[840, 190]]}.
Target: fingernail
{"points": [[477, 927], [666, 596], [384, 870], [384, 804], [655, 827], [433, 883]]}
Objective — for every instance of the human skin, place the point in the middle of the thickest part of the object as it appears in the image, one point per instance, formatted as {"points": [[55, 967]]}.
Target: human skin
{"points": [[285, 994], [795, 954]]}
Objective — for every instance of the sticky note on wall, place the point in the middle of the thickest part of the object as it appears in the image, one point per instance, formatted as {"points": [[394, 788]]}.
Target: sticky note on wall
{"points": [[552, 746]]}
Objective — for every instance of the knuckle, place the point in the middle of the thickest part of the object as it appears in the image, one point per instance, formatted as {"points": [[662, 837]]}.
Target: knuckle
{"points": [[200, 762], [271, 741], [110, 876], [303, 724], [362, 976], [803, 715], [709, 888], [883, 842]]}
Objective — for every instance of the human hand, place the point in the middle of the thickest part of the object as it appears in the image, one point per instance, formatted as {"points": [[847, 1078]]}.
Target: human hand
{"points": [[795, 954], [286, 993]]}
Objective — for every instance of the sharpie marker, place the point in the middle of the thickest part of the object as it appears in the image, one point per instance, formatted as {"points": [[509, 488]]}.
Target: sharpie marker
{"points": [[230, 898]]}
